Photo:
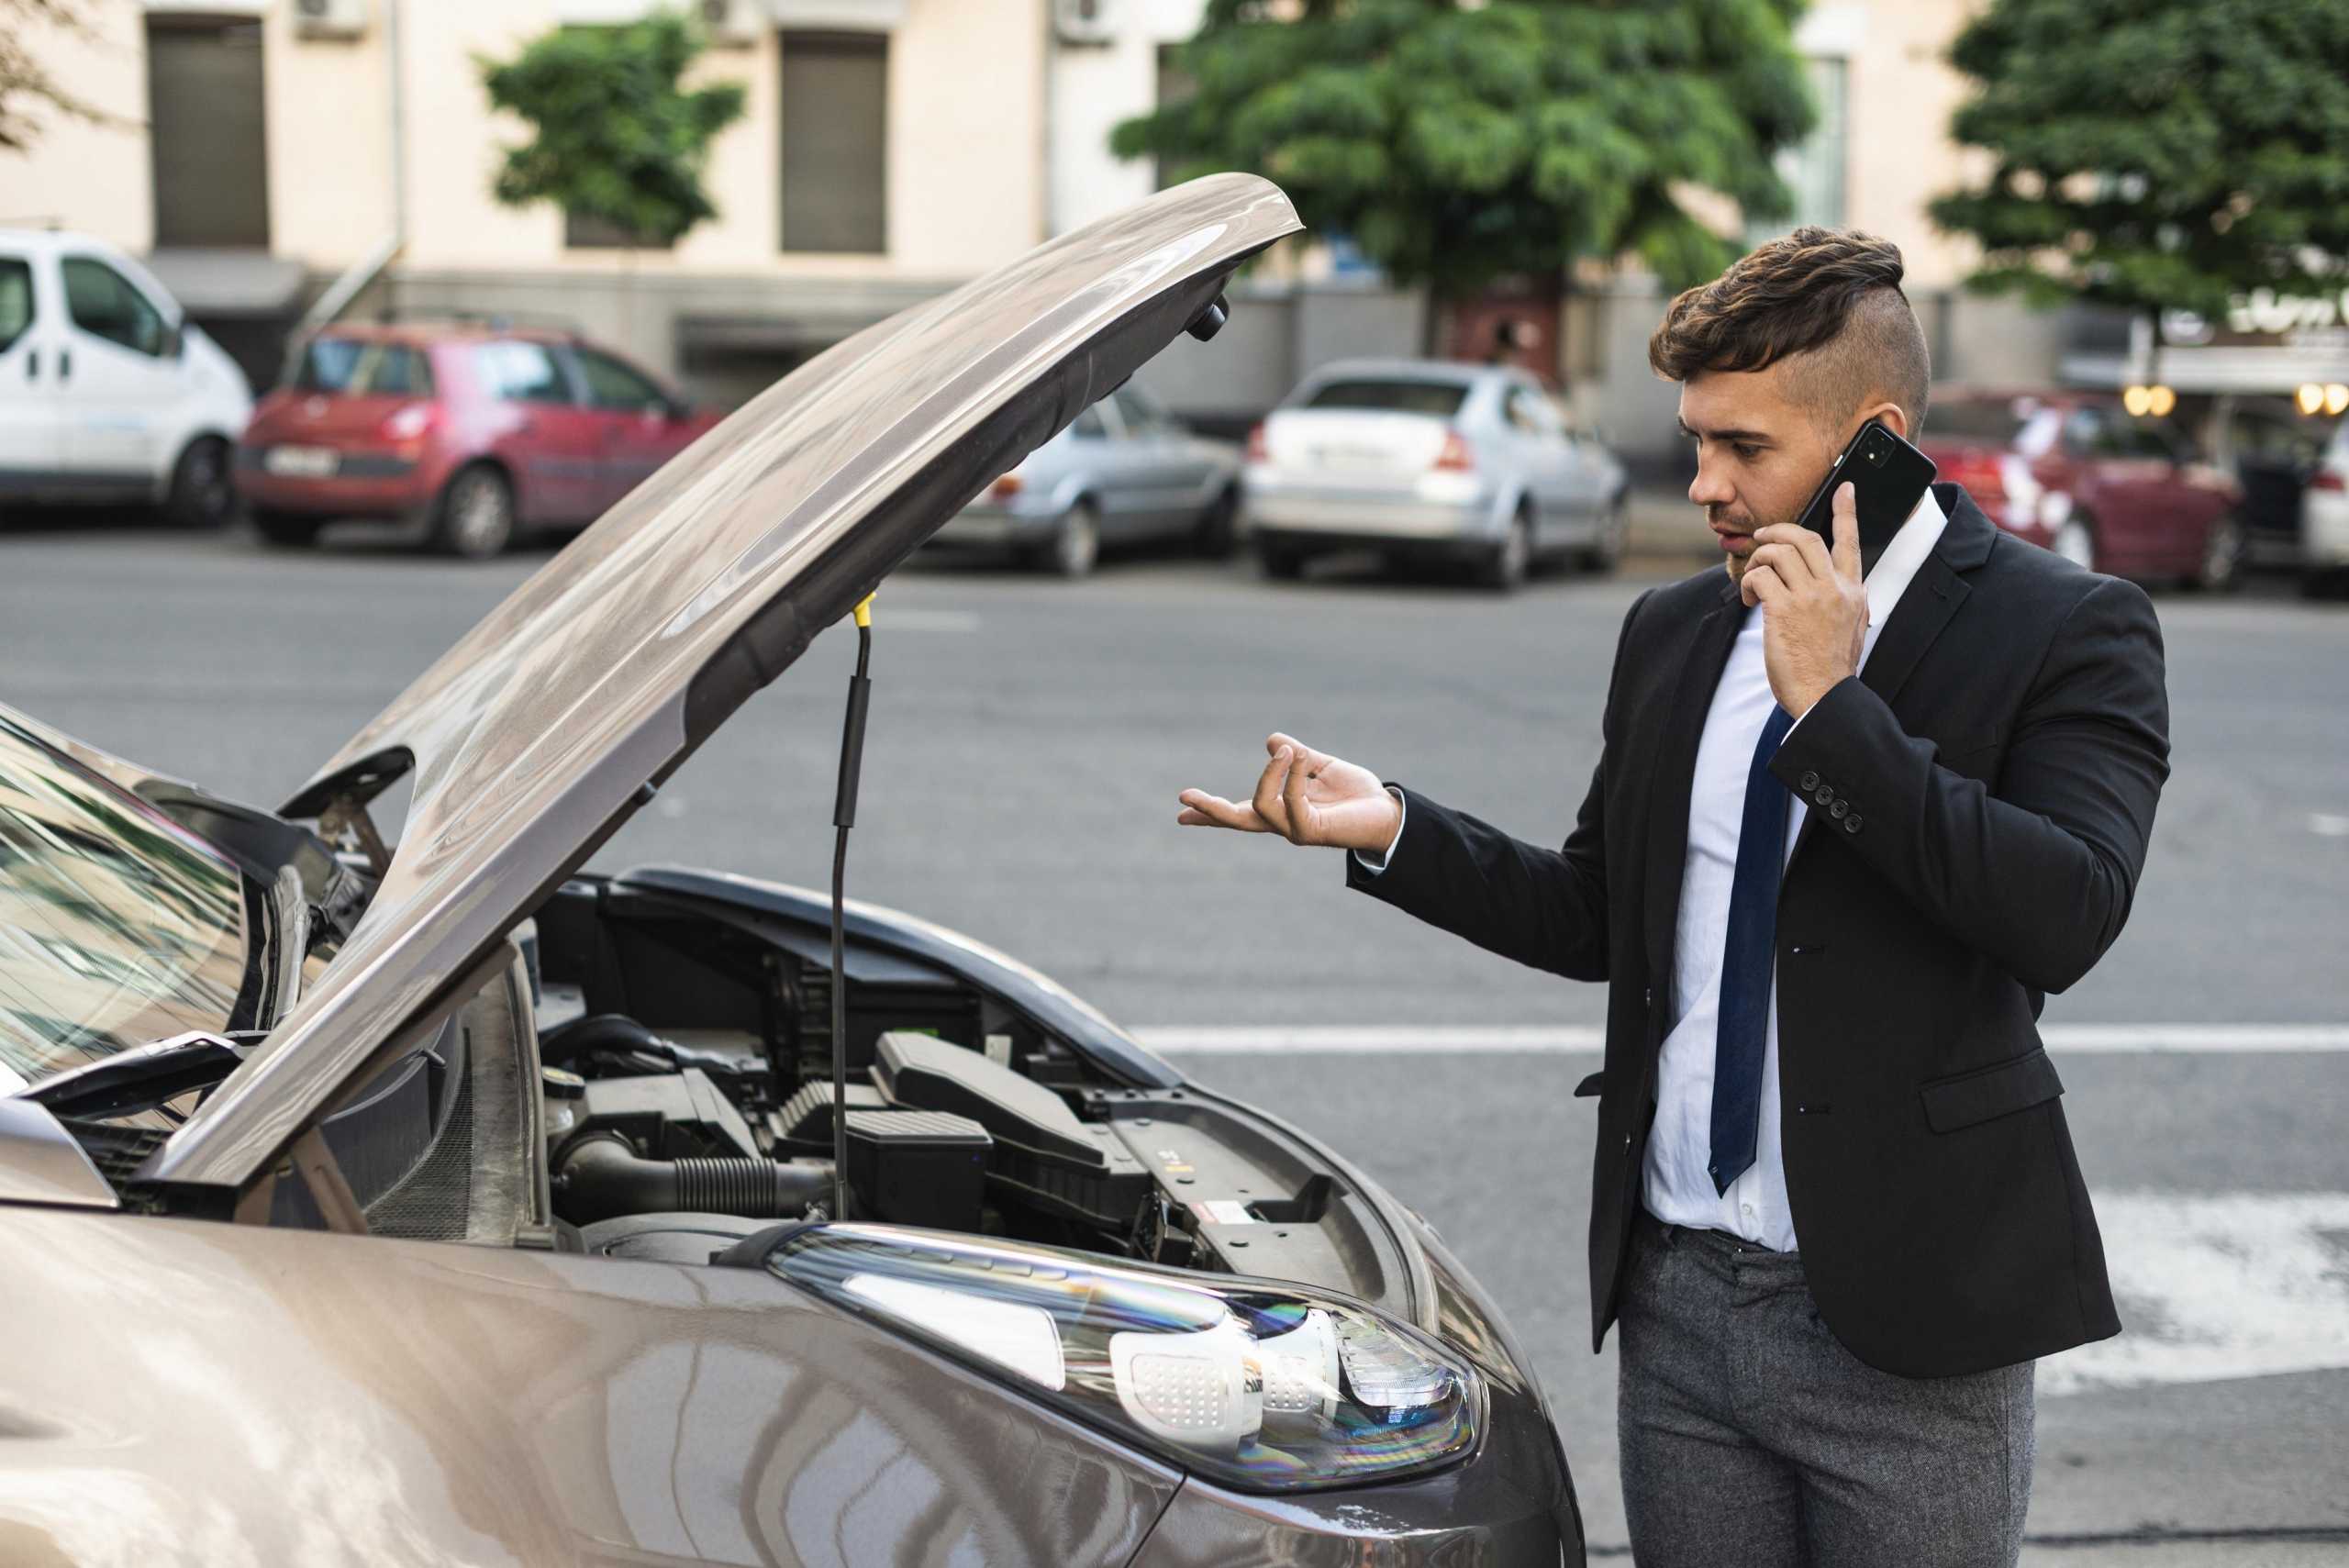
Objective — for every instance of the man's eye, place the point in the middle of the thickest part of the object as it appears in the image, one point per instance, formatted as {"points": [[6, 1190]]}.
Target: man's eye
{"points": [[1747, 451]]}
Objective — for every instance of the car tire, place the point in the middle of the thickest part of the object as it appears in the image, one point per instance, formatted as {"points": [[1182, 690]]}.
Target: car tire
{"points": [[475, 518], [2075, 541], [1218, 533], [202, 495], [1507, 566], [2224, 549], [287, 530], [1280, 562], [1075, 548], [1614, 535]]}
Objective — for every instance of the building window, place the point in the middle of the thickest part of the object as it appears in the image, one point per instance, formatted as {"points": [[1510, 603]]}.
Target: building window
{"points": [[1174, 85], [835, 141], [207, 137], [1814, 168]]}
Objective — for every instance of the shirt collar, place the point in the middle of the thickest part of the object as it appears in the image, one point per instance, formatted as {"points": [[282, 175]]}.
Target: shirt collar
{"points": [[1903, 554]]}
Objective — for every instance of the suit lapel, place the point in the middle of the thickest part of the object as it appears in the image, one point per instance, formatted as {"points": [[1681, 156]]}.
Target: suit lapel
{"points": [[1933, 597], [1703, 655]]}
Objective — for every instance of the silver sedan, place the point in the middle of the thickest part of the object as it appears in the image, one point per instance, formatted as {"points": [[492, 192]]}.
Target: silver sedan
{"points": [[1124, 471], [1430, 458]]}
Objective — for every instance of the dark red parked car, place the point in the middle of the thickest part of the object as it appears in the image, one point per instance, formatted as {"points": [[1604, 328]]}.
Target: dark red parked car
{"points": [[471, 434], [2080, 474]]}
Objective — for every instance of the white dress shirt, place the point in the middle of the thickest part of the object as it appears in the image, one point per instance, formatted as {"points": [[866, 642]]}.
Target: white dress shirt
{"points": [[1675, 1185]]}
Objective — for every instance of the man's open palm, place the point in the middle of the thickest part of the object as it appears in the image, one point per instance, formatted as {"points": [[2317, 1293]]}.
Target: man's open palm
{"points": [[1307, 797]]}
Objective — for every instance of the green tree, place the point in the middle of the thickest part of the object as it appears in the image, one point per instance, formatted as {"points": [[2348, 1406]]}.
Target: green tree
{"points": [[2156, 155], [616, 138], [1456, 146]]}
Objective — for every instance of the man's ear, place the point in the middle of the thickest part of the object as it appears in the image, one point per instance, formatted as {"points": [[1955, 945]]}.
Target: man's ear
{"points": [[1894, 421]]}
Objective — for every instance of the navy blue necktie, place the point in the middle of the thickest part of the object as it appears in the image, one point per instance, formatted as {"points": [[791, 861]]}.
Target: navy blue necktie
{"points": [[1746, 958]]}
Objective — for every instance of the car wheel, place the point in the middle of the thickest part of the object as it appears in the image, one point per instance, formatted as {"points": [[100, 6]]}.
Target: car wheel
{"points": [[202, 495], [1506, 566], [476, 518], [1216, 533], [287, 530], [1075, 545], [2223, 556], [1280, 562], [2075, 541], [1614, 532]]}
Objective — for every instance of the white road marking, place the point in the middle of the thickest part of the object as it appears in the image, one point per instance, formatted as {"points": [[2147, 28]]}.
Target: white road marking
{"points": [[2239, 1284], [910, 619], [2326, 824], [1435, 1039]]}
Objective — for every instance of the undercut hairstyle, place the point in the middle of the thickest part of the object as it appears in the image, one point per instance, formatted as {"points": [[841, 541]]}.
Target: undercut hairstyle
{"points": [[1826, 300]]}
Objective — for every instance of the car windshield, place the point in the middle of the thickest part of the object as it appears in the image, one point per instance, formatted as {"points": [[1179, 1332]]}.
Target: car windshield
{"points": [[117, 926], [360, 367], [1440, 398], [1984, 421]]}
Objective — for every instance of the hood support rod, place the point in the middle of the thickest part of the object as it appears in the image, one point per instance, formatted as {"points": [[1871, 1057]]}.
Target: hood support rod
{"points": [[860, 694]]}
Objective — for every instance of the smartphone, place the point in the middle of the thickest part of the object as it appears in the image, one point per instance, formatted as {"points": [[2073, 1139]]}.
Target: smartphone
{"points": [[1888, 478]]}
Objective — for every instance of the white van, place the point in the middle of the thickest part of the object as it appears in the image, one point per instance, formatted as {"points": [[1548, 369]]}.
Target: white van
{"points": [[108, 391]]}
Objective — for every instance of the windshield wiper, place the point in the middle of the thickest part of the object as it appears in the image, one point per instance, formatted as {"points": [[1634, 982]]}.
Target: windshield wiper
{"points": [[142, 1077]]}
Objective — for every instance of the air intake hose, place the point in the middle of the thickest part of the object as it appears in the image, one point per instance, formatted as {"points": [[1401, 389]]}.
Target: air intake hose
{"points": [[602, 1178]]}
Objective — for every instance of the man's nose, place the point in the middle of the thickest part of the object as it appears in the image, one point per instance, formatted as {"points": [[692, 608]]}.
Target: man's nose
{"points": [[1709, 488]]}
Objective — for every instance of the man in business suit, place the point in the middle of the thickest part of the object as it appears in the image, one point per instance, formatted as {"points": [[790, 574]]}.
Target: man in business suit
{"points": [[1851, 822]]}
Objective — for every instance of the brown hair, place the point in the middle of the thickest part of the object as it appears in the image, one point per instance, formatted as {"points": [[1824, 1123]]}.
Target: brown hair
{"points": [[1829, 299]]}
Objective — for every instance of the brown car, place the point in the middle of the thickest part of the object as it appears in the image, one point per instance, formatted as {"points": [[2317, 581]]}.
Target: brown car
{"points": [[437, 1203]]}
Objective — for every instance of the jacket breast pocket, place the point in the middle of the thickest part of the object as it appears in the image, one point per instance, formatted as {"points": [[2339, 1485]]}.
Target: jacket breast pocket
{"points": [[1989, 1092]]}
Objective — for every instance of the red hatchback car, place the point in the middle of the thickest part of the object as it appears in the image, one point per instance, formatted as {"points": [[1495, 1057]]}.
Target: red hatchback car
{"points": [[471, 434], [2079, 474]]}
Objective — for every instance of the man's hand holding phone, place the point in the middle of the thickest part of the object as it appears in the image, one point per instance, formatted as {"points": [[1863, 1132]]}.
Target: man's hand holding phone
{"points": [[1307, 797], [1814, 605]]}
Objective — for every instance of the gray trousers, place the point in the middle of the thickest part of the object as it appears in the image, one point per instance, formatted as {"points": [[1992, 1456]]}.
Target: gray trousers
{"points": [[1752, 1439]]}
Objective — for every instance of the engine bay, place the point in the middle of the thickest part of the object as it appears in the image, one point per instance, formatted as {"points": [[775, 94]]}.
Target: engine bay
{"points": [[685, 1034]]}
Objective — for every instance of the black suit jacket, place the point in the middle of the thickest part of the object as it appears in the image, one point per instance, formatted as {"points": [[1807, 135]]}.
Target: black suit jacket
{"points": [[1994, 767]]}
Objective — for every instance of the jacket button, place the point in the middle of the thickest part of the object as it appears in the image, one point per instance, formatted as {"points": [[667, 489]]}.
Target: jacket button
{"points": [[1824, 794], [1851, 824], [1840, 809], [1626, 1144], [1810, 781], [1647, 997]]}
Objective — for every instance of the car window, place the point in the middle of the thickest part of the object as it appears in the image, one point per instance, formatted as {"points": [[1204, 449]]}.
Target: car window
{"points": [[16, 300], [612, 385], [362, 367], [105, 303], [1089, 424], [1529, 412], [2143, 440], [2084, 431], [1440, 398], [1141, 414], [117, 926], [520, 371], [1979, 422]]}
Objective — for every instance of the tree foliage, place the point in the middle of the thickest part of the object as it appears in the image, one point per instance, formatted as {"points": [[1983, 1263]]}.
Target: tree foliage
{"points": [[1458, 145], [2157, 155], [617, 138], [25, 84]]}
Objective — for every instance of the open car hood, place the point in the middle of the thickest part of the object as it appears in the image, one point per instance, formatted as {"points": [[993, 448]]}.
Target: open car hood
{"points": [[533, 738]]}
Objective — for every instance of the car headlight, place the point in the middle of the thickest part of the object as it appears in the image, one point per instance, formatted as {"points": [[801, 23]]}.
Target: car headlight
{"points": [[1259, 1386]]}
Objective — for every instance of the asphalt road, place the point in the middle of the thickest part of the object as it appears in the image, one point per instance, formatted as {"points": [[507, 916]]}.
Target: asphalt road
{"points": [[1028, 741]]}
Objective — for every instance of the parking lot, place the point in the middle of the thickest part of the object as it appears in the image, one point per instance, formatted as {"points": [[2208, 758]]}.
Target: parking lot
{"points": [[1028, 739]]}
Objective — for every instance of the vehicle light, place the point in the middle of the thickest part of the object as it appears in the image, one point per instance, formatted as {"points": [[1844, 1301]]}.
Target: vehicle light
{"points": [[1256, 1384], [1260, 449], [1457, 456], [407, 424], [1006, 485], [2328, 479]]}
